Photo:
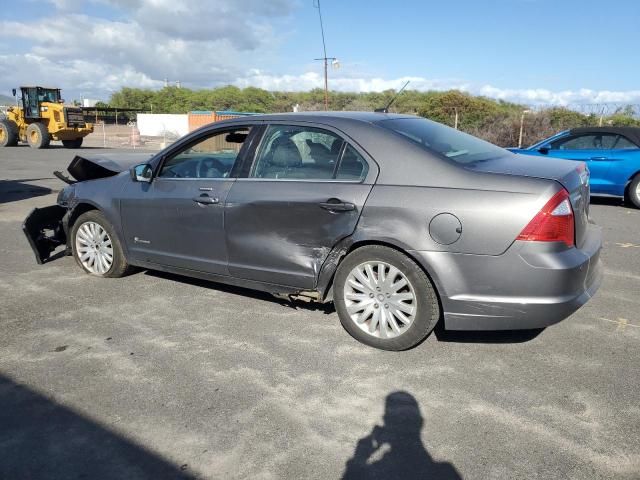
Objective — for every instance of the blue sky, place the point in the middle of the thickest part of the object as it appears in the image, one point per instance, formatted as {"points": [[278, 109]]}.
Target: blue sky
{"points": [[532, 51]]}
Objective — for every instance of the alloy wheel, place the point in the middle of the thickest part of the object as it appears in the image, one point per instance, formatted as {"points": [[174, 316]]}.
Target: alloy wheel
{"points": [[94, 248], [380, 299]]}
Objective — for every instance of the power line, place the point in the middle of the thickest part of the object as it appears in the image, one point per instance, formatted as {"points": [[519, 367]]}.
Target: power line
{"points": [[325, 59]]}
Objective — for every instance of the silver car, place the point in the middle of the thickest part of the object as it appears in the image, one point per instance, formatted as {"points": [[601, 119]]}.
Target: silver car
{"points": [[400, 221]]}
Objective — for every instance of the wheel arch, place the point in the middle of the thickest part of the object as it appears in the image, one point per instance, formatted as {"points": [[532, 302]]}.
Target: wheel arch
{"points": [[79, 209], [628, 183], [327, 275], [630, 179], [85, 206]]}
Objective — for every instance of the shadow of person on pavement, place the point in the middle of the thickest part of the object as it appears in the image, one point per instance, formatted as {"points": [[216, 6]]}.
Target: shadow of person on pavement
{"points": [[395, 449]]}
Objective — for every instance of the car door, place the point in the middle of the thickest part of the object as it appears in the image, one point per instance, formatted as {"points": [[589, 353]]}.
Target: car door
{"points": [[178, 219], [594, 149], [621, 164], [303, 193]]}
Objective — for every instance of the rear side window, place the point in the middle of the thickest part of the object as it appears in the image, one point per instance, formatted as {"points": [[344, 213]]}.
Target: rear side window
{"points": [[454, 144], [289, 152], [623, 143], [301, 153], [352, 165]]}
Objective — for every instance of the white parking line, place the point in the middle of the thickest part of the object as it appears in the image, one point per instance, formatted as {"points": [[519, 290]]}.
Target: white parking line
{"points": [[621, 322]]}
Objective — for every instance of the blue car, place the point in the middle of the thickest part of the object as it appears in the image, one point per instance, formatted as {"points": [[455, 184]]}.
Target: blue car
{"points": [[612, 155]]}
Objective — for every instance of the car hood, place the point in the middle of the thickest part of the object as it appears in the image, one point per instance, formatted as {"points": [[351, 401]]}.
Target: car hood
{"points": [[91, 167]]}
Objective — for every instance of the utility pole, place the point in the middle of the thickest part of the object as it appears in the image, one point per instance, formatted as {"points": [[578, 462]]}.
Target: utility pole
{"points": [[524, 112], [316, 4]]}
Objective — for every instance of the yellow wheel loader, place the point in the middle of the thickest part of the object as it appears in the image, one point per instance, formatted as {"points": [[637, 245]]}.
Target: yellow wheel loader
{"points": [[42, 117]]}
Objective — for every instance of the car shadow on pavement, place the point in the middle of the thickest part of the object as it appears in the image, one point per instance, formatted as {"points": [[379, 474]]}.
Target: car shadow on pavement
{"points": [[612, 201], [511, 336], [485, 336], [40, 438], [326, 308], [15, 190], [394, 450]]}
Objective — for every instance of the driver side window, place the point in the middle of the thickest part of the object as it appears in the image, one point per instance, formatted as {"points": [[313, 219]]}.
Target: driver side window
{"points": [[211, 157]]}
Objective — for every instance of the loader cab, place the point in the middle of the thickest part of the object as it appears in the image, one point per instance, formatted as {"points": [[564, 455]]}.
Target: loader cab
{"points": [[33, 97]]}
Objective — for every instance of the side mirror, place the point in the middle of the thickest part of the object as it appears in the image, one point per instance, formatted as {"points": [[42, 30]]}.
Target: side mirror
{"points": [[14, 92], [142, 173], [544, 149]]}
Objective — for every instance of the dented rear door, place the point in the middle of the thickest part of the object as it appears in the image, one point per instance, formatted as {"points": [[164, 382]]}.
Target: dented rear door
{"points": [[279, 232], [305, 192]]}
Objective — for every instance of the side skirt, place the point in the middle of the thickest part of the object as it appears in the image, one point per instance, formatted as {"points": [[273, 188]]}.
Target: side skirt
{"points": [[225, 279]]}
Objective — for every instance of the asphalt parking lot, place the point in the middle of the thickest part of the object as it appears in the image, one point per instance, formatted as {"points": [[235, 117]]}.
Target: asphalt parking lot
{"points": [[158, 376]]}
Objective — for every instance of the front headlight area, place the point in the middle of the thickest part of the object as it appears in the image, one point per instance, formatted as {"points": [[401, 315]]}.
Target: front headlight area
{"points": [[65, 195]]}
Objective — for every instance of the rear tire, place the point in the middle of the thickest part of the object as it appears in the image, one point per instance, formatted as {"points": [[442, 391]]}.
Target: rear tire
{"points": [[8, 133], [633, 192], [38, 135], [384, 299], [76, 143], [96, 246]]}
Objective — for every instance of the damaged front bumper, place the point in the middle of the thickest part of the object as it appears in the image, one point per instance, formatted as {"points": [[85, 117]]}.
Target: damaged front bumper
{"points": [[45, 230]]}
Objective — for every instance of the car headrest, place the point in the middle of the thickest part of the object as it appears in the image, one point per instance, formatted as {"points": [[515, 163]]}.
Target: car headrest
{"points": [[285, 153], [321, 155]]}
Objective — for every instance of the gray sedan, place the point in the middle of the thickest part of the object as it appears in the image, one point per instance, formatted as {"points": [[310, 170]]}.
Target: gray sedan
{"points": [[400, 221]]}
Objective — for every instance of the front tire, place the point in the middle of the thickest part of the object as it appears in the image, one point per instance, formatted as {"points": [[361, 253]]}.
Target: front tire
{"points": [[96, 247], [633, 192], [38, 135], [384, 299], [75, 143], [8, 133]]}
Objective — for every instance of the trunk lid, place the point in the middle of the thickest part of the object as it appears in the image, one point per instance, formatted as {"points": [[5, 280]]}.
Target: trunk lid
{"points": [[572, 175]]}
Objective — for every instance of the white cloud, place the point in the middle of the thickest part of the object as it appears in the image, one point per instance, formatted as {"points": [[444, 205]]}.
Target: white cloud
{"points": [[311, 80], [343, 83], [563, 97], [202, 44]]}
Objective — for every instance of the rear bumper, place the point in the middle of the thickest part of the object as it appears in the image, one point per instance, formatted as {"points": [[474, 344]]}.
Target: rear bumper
{"points": [[45, 230], [532, 285]]}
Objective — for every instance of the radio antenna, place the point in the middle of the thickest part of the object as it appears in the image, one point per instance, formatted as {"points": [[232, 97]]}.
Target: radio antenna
{"points": [[386, 109]]}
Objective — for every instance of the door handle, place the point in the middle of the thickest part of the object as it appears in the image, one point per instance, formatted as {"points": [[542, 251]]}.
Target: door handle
{"points": [[335, 205], [599, 159], [205, 199]]}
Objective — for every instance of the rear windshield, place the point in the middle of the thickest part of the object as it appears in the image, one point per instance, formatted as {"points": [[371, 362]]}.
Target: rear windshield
{"points": [[454, 144]]}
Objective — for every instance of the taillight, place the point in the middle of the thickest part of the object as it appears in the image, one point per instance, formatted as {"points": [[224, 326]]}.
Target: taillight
{"points": [[554, 223]]}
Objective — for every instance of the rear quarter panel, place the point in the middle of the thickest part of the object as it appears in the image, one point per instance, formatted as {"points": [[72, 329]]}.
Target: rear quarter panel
{"points": [[490, 219], [623, 171]]}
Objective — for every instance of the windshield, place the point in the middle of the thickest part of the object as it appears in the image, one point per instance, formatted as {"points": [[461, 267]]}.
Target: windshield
{"points": [[454, 144], [48, 95]]}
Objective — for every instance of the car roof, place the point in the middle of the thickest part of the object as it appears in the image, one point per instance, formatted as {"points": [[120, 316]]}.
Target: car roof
{"points": [[632, 133], [323, 117]]}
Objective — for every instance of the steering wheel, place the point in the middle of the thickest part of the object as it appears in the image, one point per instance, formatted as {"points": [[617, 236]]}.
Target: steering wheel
{"points": [[207, 163]]}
